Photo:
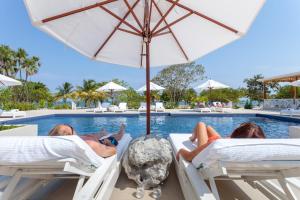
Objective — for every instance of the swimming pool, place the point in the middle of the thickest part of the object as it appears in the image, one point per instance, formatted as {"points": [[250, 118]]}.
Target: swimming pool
{"points": [[160, 124]]}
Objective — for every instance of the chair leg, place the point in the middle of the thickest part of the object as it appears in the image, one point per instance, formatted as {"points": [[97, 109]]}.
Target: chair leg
{"points": [[11, 185], [214, 188], [287, 189], [79, 184]]}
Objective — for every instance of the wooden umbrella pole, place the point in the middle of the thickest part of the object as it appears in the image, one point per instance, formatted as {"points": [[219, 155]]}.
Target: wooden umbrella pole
{"points": [[148, 96], [147, 39]]}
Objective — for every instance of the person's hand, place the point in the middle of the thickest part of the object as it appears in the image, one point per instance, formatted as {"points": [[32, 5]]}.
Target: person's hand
{"points": [[178, 154]]}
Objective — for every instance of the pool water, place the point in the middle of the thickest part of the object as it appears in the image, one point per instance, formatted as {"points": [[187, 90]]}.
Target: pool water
{"points": [[160, 125]]}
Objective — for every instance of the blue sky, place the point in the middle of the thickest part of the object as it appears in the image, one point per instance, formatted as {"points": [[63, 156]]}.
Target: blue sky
{"points": [[271, 47]]}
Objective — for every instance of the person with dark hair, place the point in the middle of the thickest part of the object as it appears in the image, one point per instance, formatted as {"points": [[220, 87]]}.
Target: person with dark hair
{"points": [[205, 135]]}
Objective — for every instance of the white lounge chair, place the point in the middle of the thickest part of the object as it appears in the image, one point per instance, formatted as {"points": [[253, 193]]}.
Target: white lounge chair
{"points": [[73, 105], [44, 158], [260, 161], [159, 107], [12, 113], [143, 107], [121, 108], [100, 108], [290, 112]]}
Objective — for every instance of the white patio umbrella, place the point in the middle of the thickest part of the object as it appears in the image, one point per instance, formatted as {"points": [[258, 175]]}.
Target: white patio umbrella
{"points": [[111, 87], [295, 83], [211, 85], [139, 32], [7, 81], [153, 87]]}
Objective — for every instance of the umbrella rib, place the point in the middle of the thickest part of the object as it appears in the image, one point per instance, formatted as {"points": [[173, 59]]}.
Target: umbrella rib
{"points": [[113, 32], [173, 23], [164, 16], [205, 17], [133, 14], [76, 11], [172, 33], [120, 19]]}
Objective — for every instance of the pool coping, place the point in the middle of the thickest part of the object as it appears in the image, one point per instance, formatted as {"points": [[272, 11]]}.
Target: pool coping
{"points": [[269, 116]]}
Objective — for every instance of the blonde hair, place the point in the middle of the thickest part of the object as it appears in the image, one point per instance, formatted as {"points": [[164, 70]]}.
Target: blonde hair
{"points": [[56, 131]]}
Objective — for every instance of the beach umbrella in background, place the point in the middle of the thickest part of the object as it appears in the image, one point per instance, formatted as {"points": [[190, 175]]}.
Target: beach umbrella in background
{"points": [[111, 87], [295, 83], [211, 85], [153, 87], [7, 81], [144, 33]]}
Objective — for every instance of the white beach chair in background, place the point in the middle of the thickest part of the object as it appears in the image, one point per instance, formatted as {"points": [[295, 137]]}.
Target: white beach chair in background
{"points": [[43, 158], [269, 165], [159, 107], [290, 112], [122, 107], [100, 108], [73, 105], [143, 107], [12, 113]]}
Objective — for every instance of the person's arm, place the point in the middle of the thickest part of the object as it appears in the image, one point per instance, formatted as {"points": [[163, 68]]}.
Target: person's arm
{"points": [[189, 155], [102, 150]]}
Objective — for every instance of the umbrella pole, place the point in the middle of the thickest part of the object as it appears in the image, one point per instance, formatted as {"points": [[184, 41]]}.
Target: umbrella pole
{"points": [[148, 97]]}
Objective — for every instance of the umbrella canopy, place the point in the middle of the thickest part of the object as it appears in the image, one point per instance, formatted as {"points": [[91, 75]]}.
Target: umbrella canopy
{"points": [[153, 87], [139, 32], [295, 83], [7, 81], [111, 87], [211, 84]]}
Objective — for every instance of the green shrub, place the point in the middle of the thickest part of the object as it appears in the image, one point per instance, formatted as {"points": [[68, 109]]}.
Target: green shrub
{"points": [[7, 127], [19, 105], [248, 105], [170, 105], [62, 106]]}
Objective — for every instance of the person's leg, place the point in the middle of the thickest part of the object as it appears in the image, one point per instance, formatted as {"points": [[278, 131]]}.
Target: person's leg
{"points": [[212, 132], [118, 136], [200, 133]]}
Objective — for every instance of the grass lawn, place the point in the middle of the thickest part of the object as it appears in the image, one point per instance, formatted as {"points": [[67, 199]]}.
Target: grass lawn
{"points": [[7, 127]]}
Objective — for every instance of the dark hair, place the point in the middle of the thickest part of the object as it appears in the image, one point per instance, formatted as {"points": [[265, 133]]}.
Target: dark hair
{"points": [[248, 130]]}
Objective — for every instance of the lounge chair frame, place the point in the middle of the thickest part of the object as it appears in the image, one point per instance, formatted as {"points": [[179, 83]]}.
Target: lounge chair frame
{"points": [[256, 174], [93, 184]]}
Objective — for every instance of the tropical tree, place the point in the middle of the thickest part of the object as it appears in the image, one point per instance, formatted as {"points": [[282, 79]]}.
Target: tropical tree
{"points": [[87, 92], [64, 91], [255, 87], [7, 61], [20, 56], [178, 78], [31, 66]]}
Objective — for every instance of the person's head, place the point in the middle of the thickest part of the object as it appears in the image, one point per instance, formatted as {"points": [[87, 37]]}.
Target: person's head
{"points": [[62, 130], [248, 130]]}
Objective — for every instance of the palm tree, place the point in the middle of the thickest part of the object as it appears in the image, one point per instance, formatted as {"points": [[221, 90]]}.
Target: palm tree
{"points": [[21, 56], [7, 61], [64, 91], [87, 92], [31, 66]]}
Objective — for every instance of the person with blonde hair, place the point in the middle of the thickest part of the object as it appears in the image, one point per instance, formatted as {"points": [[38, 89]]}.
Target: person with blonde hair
{"points": [[103, 144]]}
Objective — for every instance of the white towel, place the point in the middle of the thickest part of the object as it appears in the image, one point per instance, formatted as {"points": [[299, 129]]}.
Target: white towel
{"points": [[46, 149]]}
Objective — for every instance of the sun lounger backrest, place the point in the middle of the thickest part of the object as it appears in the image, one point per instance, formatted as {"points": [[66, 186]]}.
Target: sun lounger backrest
{"points": [[45, 149], [248, 150], [123, 105]]}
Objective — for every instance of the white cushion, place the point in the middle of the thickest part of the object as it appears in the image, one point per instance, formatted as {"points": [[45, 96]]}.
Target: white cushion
{"points": [[45, 149], [240, 150]]}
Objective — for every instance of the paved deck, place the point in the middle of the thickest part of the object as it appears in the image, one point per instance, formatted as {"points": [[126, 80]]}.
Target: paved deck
{"points": [[125, 190]]}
